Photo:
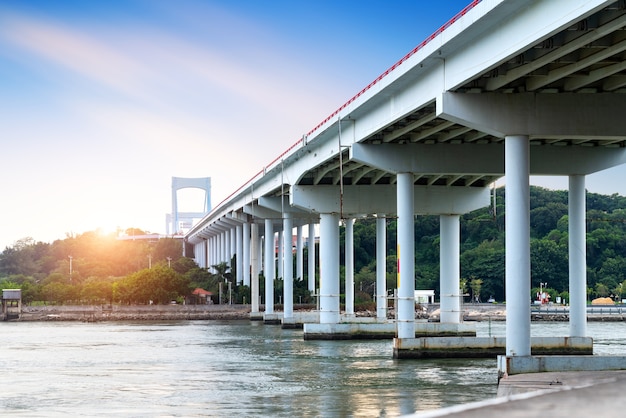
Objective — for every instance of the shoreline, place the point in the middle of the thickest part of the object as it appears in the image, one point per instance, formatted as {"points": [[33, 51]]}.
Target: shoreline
{"points": [[102, 313]]}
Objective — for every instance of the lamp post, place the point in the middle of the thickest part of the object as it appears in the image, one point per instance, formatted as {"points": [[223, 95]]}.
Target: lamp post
{"points": [[149, 261], [70, 257], [169, 262]]}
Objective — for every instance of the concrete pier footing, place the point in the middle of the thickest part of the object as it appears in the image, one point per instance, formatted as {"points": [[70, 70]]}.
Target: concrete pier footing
{"points": [[273, 318], [511, 365], [485, 347], [372, 328]]}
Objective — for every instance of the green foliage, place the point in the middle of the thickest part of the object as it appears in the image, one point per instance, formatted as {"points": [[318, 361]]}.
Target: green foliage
{"points": [[105, 268], [158, 285]]}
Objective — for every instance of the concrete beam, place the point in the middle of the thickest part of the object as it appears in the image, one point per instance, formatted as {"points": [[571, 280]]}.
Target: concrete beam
{"points": [[262, 212], [484, 159], [481, 159], [281, 205], [537, 115], [370, 199]]}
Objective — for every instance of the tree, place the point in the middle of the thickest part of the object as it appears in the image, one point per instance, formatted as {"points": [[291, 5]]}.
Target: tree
{"points": [[221, 271], [475, 285]]}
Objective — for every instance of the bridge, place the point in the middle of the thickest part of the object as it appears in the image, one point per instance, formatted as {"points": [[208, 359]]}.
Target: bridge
{"points": [[505, 88]]}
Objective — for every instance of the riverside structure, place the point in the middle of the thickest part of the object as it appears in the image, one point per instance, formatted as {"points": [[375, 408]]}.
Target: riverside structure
{"points": [[505, 88]]}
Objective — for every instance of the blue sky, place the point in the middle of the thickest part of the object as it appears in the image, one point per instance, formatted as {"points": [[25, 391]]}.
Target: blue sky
{"points": [[101, 103]]}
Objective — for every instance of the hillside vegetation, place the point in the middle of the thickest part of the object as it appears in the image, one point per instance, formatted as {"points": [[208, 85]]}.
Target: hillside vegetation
{"points": [[107, 270]]}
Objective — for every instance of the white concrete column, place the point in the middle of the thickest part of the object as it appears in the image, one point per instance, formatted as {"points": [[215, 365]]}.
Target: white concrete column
{"points": [[381, 266], [287, 266], [299, 254], [517, 226], [239, 253], [209, 252], [269, 267], [227, 247], [254, 266], [311, 255], [260, 258], [247, 252], [450, 268], [329, 268], [577, 257], [233, 246], [349, 243], [220, 248], [279, 255], [406, 256]]}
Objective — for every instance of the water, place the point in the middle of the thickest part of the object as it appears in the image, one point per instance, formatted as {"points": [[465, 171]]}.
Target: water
{"points": [[241, 368]]}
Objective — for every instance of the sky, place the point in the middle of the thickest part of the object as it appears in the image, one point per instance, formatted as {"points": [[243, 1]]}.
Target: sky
{"points": [[102, 103]]}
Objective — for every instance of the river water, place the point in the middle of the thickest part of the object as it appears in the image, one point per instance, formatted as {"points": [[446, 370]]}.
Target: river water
{"points": [[235, 368]]}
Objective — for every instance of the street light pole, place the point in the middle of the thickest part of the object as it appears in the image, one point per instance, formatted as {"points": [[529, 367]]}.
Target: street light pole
{"points": [[70, 257]]}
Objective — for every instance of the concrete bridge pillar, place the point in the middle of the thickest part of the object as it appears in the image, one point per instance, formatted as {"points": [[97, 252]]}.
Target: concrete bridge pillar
{"points": [[220, 248], [449, 268], [269, 267], [280, 252], [577, 257], [311, 256], [406, 256], [349, 268], [233, 246], [381, 266], [226, 247], [517, 163], [287, 259], [246, 252], [254, 266], [239, 253], [210, 252], [329, 268], [299, 254]]}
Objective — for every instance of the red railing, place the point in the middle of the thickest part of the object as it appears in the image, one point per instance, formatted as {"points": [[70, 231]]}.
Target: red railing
{"points": [[360, 93]]}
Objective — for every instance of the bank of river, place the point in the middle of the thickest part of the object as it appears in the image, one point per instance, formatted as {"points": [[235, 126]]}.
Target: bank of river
{"points": [[99, 313]]}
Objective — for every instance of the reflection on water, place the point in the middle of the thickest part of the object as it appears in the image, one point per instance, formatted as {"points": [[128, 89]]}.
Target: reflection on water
{"points": [[209, 368]]}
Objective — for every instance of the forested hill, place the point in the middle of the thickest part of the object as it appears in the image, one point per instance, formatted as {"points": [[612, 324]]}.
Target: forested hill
{"points": [[482, 246], [98, 258]]}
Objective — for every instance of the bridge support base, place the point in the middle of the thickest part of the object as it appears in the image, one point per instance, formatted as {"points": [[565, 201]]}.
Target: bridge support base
{"points": [[510, 365], [374, 328], [486, 347]]}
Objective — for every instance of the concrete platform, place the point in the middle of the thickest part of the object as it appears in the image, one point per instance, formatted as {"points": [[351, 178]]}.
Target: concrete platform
{"points": [[485, 347], [368, 328], [256, 316], [298, 319], [275, 318], [567, 394], [508, 366]]}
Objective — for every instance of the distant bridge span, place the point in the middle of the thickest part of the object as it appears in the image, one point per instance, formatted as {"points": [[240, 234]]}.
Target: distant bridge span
{"points": [[504, 88]]}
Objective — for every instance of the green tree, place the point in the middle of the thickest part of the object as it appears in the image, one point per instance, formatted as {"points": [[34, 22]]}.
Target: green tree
{"points": [[476, 285]]}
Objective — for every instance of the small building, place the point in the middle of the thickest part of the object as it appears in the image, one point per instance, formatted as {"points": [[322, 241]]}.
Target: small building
{"points": [[424, 296], [11, 304], [201, 297]]}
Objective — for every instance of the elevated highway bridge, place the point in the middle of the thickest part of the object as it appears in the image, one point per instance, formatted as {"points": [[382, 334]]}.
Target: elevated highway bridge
{"points": [[506, 87]]}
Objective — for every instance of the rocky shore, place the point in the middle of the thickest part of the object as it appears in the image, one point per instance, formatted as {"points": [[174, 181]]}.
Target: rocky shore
{"points": [[471, 312], [135, 313]]}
